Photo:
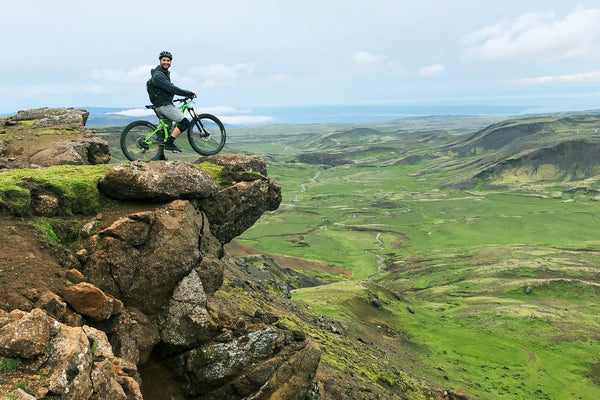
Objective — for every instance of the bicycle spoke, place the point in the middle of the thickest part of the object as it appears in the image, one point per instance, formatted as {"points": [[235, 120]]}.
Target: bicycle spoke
{"points": [[140, 142], [206, 134]]}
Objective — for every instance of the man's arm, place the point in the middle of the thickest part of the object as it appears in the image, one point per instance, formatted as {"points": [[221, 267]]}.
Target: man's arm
{"points": [[159, 79]]}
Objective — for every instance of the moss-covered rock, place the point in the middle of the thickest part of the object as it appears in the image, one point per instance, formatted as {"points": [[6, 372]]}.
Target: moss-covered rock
{"points": [[73, 187]]}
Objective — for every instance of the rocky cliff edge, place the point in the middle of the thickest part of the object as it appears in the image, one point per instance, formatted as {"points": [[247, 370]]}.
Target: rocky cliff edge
{"points": [[128, 303]]}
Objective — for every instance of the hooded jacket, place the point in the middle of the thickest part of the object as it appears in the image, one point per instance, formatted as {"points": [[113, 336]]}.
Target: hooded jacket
{"points": [[165, 90]]}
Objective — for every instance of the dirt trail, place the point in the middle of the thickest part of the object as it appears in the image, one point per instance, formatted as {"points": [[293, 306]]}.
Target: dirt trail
{"points": [[25, 264]]}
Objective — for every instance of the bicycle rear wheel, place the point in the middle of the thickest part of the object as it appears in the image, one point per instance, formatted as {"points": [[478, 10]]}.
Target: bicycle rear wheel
{"points": [[206, 134], [138, 142]]}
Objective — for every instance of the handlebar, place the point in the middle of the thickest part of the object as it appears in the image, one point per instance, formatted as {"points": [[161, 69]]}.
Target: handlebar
{"points": [[183, 100]]}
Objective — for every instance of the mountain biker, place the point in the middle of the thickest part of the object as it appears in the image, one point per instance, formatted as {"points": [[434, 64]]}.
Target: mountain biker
{"points": [[165, 90]]}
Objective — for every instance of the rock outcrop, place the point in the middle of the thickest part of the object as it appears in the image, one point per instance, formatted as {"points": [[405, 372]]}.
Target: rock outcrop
{"points": [[86, 151], [157, 181], [143, 257], [46, 117], [63, 362], [36, 138], [230, 211], [146, 291]]}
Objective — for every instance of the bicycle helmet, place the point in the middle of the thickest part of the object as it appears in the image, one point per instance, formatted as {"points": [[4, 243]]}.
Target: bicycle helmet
{"points": [[165, 54]]}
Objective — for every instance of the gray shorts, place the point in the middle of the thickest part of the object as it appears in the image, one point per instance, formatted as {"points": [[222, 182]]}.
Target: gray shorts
{"points": [[170, 112]]}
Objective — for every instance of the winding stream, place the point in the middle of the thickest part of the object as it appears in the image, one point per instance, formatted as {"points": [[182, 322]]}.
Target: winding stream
{"points": [[380, 259], [378, 243]]}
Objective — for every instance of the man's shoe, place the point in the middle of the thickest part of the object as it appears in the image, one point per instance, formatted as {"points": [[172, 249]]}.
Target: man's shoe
{"points": [[171, 146]]}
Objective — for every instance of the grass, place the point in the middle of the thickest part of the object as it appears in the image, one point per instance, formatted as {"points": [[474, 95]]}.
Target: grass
{"points": [[503, 278], [77, 185], [9, 364], [489, 288]]}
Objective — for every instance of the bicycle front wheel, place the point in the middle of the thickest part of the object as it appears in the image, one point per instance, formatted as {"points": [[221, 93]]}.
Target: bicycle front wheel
{"points": [[206, 134], [140, 140]]}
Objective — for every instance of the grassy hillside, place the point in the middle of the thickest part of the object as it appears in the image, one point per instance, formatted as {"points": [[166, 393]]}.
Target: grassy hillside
{"points": [[481, 246]]}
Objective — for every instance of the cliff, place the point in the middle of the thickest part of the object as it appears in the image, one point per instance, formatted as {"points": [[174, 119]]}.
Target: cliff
{"points": [[114, 282]]}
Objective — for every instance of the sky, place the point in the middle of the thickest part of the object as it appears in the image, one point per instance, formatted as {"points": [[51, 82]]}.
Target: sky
{"points": [[238, 55]]}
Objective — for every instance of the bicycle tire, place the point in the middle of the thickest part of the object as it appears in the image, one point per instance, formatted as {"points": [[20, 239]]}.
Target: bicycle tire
{"points": [[206, 134], [133, 146]]}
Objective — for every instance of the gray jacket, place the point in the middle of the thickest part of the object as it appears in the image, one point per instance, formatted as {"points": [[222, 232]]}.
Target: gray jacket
{"points": [[165, 90]]}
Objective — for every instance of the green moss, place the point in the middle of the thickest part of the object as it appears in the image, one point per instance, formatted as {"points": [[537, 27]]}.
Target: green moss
{"points": [[64, 131], [77, 185], [46, 231], [56, 231], [216, 173], [14, 198], [10, 396], [28, 123], [94, 346], [9, 364]]}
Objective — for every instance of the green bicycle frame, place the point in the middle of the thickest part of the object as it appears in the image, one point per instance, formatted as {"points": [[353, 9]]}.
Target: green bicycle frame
{"points": [[164, 126]]}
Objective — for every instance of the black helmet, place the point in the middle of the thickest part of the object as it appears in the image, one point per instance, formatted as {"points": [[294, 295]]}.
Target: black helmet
{"points": [[165, 54]]}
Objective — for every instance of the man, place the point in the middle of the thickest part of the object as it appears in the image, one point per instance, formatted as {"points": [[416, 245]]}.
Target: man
{"points": [[165, 90]]}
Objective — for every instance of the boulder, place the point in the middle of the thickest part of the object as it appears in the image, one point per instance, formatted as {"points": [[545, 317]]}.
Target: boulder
{"points": [[261, 365], [74, 275], [239, 167], [86, 151], [51, 304], [91, 302], [210, 272], [46, 117], [294, 376], [143, 271], [157, 181], [236, 208], [46, 200], [20, 394], [186, 321], [26, 334], [62, 362], [132, 335]]}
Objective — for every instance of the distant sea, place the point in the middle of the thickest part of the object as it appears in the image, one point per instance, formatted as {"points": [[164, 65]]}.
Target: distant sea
{"points": [[240, 117], [378, 113]]}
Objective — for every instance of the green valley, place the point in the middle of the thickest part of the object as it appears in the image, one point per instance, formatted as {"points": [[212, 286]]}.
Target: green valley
{"points": [[465, 249]]}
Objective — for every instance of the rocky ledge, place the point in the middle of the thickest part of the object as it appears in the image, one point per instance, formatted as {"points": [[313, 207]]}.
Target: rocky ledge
{"points": [[145, 291], [43, 137]]}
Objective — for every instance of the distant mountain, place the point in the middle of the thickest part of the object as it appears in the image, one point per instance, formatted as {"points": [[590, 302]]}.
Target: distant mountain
{"points": [[110, 116]]}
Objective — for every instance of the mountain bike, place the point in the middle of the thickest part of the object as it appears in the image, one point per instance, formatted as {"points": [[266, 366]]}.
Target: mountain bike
{"points": [[145, 141]]}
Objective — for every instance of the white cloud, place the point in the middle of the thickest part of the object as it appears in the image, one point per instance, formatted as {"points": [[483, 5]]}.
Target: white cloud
{"points": [[282, 77], [228, 115], [570, 78], [134, 112], [432, 71], [540, 37], [135, 74], [537, 80], [214, 75], [366, 61], [583, 77]]}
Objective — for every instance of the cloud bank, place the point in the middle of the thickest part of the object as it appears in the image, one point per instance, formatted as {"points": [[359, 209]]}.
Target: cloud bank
{"points": [[537, 37], [366, 61], [570, 78], [215, 75], [228, 115], [432, 71]]}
